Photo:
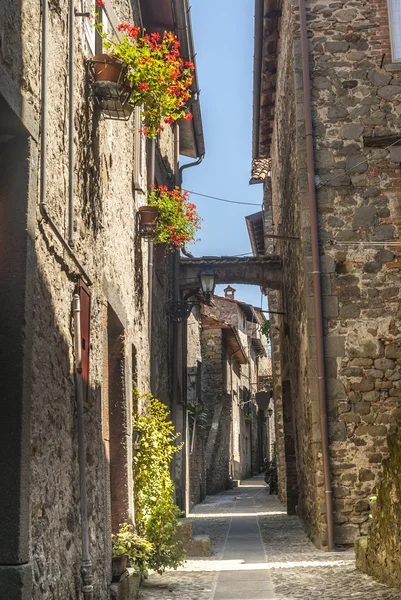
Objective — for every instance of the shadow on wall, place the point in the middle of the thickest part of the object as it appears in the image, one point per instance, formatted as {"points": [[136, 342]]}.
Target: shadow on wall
{"points": [[38, 425]]}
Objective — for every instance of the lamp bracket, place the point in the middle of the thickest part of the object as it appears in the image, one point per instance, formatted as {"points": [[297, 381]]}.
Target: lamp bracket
{"points": [[179, 310]]}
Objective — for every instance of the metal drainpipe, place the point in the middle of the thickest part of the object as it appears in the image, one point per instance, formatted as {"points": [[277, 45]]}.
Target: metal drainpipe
{"points": [[43, 147], [86, 564], [316, 273], [86, 570], [71, 115], [188, 166]]}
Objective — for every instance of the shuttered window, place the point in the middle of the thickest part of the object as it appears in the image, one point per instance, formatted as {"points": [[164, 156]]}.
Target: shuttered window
{"points": [[395, 28]]}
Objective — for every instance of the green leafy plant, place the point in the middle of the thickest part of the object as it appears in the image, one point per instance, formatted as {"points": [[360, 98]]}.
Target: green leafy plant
{"points": [[138, 549], [161, 80], [155, 510], [178, 220], [265, 329]]}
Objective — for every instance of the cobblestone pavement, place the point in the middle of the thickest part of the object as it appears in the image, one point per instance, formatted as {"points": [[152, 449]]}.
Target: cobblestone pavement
{"points": [[297, 569]]}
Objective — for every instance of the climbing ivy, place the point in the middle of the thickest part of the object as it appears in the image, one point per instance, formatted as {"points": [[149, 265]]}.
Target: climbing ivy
{"points": [[155, 511]]}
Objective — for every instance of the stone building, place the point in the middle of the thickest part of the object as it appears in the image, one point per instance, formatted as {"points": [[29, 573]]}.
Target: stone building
{"points": [[327, 149], [227, 353], [71, 183]]}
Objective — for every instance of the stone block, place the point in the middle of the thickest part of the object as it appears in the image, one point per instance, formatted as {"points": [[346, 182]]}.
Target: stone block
{"points": [[362, 408], [335, 389], [352, 131], [365, 216], [372, 267], [395, 154], [365, 385], [372, 396], [337, 431], [356, 164], [199, 546], [382, 364], [372, 430], [382, 233], [389, 92], [379, 77], [362, 362], [126, 589], [366, 475], [350, 311], [393, 351], [334, 346], [330, 306]]}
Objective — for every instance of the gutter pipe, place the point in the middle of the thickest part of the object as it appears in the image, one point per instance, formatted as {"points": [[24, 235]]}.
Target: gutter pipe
{"points": [[86, 563], [43, 148], [71, 67], [188, 166], [316, 274], [257, 75]]}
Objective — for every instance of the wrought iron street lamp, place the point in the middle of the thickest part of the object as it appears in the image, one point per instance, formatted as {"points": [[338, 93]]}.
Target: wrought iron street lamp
{"points": [[207, 278], [180, 310]]}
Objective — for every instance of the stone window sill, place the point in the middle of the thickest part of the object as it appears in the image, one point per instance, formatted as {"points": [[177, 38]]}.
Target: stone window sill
{"points": [[393, 67]]}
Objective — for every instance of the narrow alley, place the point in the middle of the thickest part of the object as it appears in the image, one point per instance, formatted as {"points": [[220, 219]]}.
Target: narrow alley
{"points": [[260, 553]]}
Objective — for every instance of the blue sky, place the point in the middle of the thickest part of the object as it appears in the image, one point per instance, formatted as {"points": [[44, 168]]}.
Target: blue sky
{"points": [[223, 35]]}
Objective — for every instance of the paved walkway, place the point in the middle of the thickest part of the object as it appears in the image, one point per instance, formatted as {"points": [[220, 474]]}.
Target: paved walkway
{"points": [[259, 553]]}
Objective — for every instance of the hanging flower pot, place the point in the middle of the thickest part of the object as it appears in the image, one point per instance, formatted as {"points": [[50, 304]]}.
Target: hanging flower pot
{"points": [[107, 68], [148, 216], [110, 87]]}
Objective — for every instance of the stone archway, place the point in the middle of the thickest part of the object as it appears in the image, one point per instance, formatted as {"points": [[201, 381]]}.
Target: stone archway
{"points": [[263, 271]]}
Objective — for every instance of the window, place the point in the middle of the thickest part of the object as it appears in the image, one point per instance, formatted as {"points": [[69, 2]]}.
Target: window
{"points": [[395, 28]]}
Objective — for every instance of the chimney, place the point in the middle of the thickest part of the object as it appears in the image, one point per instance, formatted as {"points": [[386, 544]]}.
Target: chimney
{"points": [[229, 292]]}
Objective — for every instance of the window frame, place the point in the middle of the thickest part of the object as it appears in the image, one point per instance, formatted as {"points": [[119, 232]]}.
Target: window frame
{"points": [[391, 22]]}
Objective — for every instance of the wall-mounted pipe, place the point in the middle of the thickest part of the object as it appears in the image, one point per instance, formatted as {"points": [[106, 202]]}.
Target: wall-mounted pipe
{"points": [[188, 166], [71, 115], [86, 563], [86, 570], [43, 148], [316, 273]]}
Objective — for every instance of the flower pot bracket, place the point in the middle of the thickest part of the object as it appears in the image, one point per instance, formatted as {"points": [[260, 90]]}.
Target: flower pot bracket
{"points": [[147, 221], [111, 97]]}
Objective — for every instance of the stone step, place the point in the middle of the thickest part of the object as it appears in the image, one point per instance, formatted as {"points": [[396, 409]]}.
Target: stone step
{"points": [[194, 545], [199, 546]]}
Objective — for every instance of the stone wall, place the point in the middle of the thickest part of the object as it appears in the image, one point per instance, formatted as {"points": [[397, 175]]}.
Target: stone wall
{"points": [[115, 257], [379, 553], [219, 405], [356, 95]]}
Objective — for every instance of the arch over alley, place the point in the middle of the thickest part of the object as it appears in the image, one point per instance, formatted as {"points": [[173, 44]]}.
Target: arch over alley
{"points": [[264, 271]]}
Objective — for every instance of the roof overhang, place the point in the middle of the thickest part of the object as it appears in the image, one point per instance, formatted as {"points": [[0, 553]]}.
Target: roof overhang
{"points": [[175, 15], [231, 336], [267, 23], [255, 227]]}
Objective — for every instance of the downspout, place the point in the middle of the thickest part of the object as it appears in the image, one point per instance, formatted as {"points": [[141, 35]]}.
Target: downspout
{"points": [[316, 273], [188, 166], [86, 564], [43, 147], [71, 115]]}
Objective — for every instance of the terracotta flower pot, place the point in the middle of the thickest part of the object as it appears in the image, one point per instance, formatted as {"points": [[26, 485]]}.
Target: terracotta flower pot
{"points": [[108, 68], [148, 214]]}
